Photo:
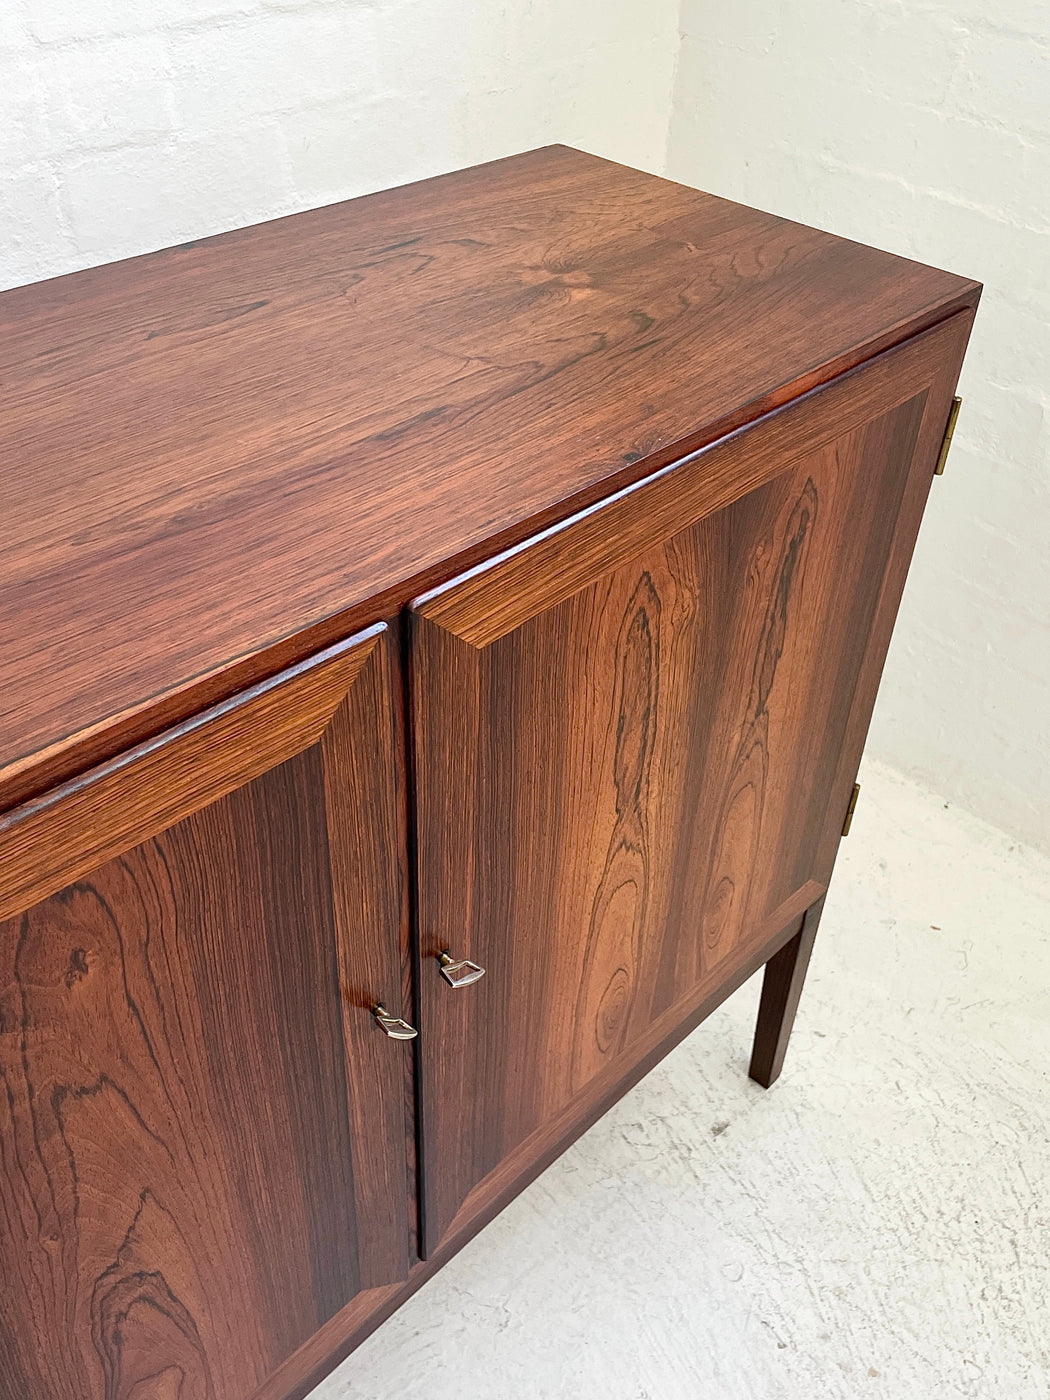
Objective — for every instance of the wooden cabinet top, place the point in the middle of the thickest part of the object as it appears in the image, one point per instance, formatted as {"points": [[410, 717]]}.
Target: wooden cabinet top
{"points": [[217, 458]]}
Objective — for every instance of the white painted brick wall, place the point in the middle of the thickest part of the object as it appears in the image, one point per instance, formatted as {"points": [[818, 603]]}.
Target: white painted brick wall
{"points": [[128, 125], [923, 126]]}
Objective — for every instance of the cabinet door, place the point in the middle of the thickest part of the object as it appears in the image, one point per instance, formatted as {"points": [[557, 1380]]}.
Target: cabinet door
{"points": [[202, 1131], [636, 737]]}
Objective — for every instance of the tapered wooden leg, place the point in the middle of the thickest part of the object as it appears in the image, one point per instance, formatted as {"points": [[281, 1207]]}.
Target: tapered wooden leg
{"points": [[781, 988]]}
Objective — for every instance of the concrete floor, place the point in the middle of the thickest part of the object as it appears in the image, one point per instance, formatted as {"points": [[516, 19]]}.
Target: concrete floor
{"points": [[876, 1225]]}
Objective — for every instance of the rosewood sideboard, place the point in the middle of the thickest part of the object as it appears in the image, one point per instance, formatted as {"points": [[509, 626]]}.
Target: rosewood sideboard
{"points": [[437, 638]]}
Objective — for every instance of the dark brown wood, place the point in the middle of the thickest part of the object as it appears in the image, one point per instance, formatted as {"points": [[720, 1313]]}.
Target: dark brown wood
{"points": [[333, 1342], [49, 841], [202, 1131], [651, 466], [782, 984], [217, 459], [629, 764], [514, 586]]}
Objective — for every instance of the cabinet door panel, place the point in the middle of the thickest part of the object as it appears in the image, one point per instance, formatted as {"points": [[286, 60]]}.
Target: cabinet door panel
{"points": [[202, 1132], [632, 759]]}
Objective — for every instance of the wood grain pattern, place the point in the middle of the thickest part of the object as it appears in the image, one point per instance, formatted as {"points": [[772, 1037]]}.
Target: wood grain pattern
{"points": [[672, 454], [217, 459], [46, 843], [505, 591], [202, 1132], [338, 1337], [333, 1342], [618, 794]]}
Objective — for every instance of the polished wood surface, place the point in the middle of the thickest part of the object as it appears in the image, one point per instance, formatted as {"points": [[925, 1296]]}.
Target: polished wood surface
{"points": [[202, 1131], [297, 1376], [782, 984], [513, 586], [47, 842], [649, 468], [621, 787], [217, 459]]}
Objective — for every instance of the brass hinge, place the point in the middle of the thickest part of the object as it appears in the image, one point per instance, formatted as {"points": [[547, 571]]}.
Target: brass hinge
{"points": [[953, 418], [851, 809]]}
